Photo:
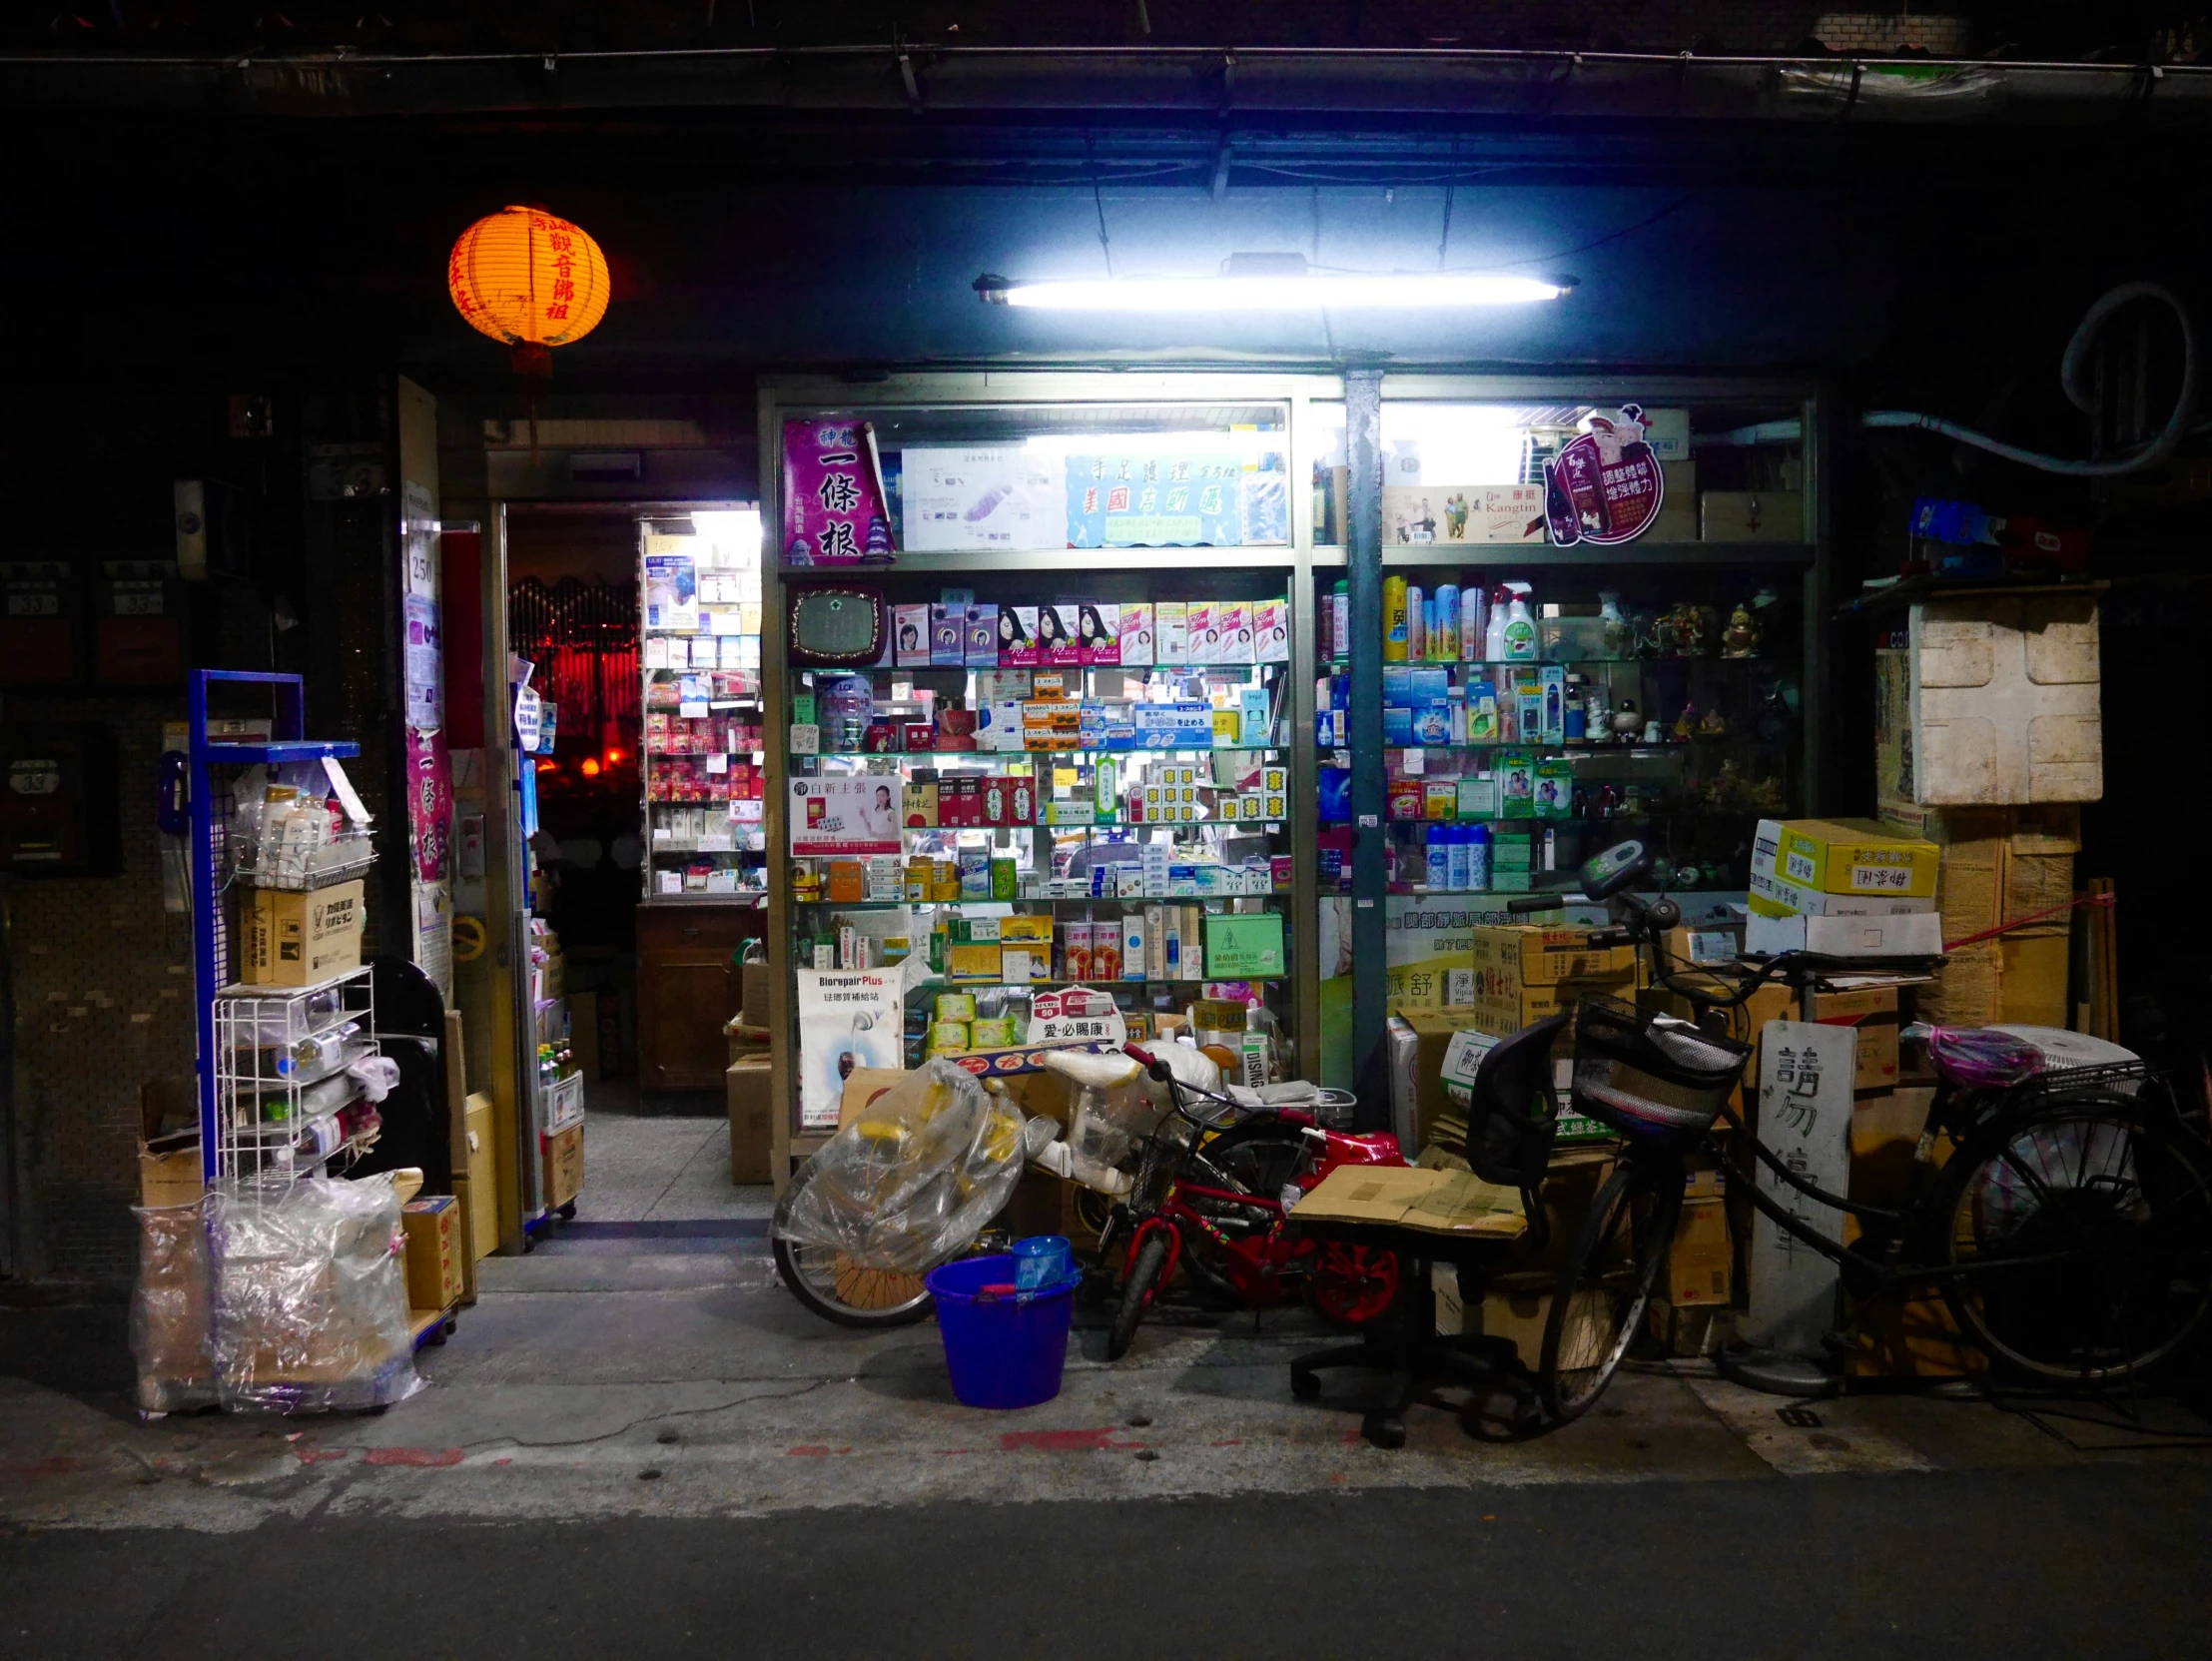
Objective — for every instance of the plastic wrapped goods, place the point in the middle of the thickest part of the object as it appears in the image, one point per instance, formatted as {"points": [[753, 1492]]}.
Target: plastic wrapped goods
{"points": [[311, 1297], [172, 1321], [916, 1178]]}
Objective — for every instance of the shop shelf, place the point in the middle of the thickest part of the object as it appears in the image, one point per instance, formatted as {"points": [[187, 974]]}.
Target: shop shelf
{"points": [[1504, 558], [1082, 900], [1341, 664], [992, 560], [277, 751], [1020, 755]]}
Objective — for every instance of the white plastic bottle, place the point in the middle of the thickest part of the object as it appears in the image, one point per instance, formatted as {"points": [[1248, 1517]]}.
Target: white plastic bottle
{"points": [[1493, 634], [1520, 626]]}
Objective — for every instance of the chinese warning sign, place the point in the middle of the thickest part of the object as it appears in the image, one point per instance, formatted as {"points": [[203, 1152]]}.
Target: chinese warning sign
{"points": [[1805, 1116], [834, 510]]}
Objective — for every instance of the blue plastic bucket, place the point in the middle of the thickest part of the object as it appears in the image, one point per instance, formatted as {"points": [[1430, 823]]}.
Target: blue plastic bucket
{"points": [[1003, 1351], [1042, 1261]]}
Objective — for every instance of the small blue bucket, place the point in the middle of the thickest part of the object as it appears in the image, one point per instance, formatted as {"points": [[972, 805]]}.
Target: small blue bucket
{"points": [[1004, 1348], [1042, 1261]]}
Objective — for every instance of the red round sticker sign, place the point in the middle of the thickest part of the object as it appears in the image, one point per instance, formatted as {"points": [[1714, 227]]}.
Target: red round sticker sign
{"points": [[1603, 485]]}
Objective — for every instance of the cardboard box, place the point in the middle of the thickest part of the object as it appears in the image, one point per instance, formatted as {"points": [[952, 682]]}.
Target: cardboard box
{"points": [[1696, 945], [751, 1089], [302, 938], [1701, 1265], [2032, 979], [1678, 503], [433, 1225], [1991, 700], [1874, 1011], [862, 1086], [170, 1178], [1510, 956], [1916, 936], [1752, 516], [1515, 1308], [483, 1178], [1962, 992], [1843, 856], [753, 993], [563, 1155]]}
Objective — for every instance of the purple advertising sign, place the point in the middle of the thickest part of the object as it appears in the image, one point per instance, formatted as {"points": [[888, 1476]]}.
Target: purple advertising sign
{"points": [[834, 512], [1603, 485]]}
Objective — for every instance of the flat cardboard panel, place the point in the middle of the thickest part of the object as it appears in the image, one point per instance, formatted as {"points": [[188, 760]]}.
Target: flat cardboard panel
{"points": [[2031, 983], [752, 1094], [1432, 1202], [483, 1177]]}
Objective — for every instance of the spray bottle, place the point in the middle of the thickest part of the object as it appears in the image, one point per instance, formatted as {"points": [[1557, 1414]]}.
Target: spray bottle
{"points": [[1493, 635], [1520, 626]]}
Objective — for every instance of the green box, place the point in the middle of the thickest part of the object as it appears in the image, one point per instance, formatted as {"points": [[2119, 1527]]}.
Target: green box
{"points": [[1003, 879], [1241, 946]]}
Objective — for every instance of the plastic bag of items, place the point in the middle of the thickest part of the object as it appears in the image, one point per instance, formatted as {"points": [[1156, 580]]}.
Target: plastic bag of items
{"points": [[171, 1315], [916, 1177], [310, 1296]]}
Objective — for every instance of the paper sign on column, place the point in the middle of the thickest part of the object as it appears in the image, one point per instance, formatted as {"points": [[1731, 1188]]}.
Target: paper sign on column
{"points": [[1804, 1117]]}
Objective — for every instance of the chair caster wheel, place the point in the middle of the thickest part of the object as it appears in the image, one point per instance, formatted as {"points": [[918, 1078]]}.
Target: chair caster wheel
{"points": [[1383, 1432], [1305, 1388], [569, 1212]]}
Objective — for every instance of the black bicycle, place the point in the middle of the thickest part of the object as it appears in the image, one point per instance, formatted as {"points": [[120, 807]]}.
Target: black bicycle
{"points": [[2069, 1231]]}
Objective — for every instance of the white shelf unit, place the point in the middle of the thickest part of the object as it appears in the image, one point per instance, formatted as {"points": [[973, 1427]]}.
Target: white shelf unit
{"points": [[281, 1086]]}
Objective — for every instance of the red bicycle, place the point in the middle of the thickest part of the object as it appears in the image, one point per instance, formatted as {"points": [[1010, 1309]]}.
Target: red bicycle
{"points": [[1209, 1198]]}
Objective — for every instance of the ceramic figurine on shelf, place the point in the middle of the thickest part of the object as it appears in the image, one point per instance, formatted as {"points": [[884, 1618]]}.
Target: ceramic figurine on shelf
{"points": [[1713, 724], [1686, 724], [1628, 720], [1596, 714], [1766, 795], [1742, 636], [1616, 632]]}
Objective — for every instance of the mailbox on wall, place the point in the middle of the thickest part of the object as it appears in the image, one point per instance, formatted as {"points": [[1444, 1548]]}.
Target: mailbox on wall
{"points": [[58, 801]]}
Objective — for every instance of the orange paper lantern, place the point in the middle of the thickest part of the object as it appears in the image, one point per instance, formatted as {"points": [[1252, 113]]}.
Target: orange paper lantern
{"points": [[529, 279]]}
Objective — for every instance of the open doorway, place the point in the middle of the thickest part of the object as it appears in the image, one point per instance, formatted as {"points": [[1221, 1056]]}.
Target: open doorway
{"points": [[644, 861]]}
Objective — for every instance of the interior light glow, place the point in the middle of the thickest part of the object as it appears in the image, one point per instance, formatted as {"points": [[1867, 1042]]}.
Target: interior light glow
{"points": [[1405, 291], [590, 768]]}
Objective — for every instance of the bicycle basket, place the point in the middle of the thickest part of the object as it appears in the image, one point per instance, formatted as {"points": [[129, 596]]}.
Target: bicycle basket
{"points": [[1653, 1076]]}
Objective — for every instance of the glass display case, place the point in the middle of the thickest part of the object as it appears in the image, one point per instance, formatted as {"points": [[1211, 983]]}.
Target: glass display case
{"points": [[702, 738], [1069, 761]]}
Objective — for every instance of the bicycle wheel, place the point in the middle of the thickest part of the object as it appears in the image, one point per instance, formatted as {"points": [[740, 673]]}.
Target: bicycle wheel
{"points": [[837, 1287], [1607, 1281], [1259, 1157], [1138, 1292], [2085, 1230]]}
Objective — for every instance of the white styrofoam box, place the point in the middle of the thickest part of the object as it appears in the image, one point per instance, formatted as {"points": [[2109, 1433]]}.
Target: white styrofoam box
{"points": [[1915, 935], [1995, 701]]}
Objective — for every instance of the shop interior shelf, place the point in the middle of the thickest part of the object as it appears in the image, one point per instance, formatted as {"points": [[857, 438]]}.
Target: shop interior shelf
{"points": [[276, 751], [1068, 900], [1719, 816], [1341, 664], [1028, 755], [1046, 985], [1051, 560], [1507, 555]]}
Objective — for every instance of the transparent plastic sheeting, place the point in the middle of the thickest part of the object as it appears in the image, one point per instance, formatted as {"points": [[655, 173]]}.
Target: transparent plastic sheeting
{"points": [[917, 1176], [294, 1299]]}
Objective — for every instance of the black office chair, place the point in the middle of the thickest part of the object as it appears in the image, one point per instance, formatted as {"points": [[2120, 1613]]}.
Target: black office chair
{"points": [[1512, 1117]]}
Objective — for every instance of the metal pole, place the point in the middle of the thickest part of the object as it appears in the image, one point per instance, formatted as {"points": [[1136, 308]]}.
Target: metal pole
{"points": [[1363, 560]]}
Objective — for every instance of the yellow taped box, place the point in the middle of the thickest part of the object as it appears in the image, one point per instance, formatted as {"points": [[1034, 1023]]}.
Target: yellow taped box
{"points": [[1845, 856], [1510, 956]]}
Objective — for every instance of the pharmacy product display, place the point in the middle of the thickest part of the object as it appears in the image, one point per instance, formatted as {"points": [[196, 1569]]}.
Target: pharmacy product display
{"points": [[1666, 708], [1045, 790], [702, 769], [1537, 708]]}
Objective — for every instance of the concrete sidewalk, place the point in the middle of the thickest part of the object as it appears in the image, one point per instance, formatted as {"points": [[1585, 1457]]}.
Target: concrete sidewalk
{"points": [[689, 1383]]}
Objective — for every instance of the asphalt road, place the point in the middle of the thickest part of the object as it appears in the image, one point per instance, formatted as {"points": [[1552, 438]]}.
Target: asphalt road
{"points": [[2109, 1559]]}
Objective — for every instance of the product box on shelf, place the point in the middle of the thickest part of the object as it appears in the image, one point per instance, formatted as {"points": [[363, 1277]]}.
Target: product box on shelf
{"points": [[980, 638], [1135, 629], [1750, 517], [1018, 642], [910, 637], [1172, 633], [1099, 634], [300, 939]]}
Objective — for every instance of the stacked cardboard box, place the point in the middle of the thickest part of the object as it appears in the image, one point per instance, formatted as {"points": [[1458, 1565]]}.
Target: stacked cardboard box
{"points": [[2001, 867], [1843, 887]]}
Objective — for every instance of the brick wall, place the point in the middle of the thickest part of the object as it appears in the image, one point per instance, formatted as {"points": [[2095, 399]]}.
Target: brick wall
{"points": [[103, 995], [1881, 34]]}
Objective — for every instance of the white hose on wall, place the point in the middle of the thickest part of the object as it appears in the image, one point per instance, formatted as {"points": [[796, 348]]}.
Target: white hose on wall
{"points": [[2073, 370]]}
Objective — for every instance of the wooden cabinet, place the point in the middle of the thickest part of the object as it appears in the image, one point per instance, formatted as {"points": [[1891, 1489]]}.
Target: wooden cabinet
{"points": [[687, 987]]}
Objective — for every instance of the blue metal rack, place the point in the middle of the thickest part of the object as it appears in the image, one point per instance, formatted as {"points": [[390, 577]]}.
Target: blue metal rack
{"points": [[211, 949]]}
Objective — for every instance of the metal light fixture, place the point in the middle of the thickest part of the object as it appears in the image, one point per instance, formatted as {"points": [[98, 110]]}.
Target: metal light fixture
{"points": [[1275, 283]]}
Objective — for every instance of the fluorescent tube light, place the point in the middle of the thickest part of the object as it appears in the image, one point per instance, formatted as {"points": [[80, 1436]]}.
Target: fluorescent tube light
{"points": [[1275, 291]]}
